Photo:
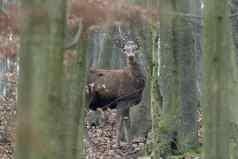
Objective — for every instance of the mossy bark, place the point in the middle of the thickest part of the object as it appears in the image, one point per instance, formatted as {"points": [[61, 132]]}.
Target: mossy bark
{"points": [[155, 97], [75, 81], [177, 78], [40, 111], [141, 113], [220, 80], [168, 79], [188, 97], [82, 78]]}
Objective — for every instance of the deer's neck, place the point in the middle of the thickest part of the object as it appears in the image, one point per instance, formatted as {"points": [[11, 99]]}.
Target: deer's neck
{"points": [[134, 68]]}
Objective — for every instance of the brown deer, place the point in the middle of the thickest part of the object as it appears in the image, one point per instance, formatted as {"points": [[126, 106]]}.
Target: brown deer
{"points": [[117, 88]]}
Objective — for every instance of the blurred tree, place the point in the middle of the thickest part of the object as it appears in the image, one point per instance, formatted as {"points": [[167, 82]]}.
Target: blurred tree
{"points": [[143, 32], [178, 74], [81, 80], [75, 81], [168, 79], [41, 120], [234, 18], [141, 113], [188, 97], [220, 80], [155, 96], [234, 120]]}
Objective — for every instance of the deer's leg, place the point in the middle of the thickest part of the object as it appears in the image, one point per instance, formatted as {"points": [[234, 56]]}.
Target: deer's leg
{"points": [[126, 125], [123, 122], [108, 109], [102, 112], [118, 128], [102, 117]]}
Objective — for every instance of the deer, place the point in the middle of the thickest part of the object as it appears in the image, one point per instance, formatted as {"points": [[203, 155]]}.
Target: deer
{"points": [[117, 88]]}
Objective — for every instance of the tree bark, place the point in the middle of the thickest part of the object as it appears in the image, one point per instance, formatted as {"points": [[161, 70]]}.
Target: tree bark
{"points": [[234, 18], [155, 96], [220, 79], [82, 80], [188, 98], [40, 112], [75, 82], [168, 79]]}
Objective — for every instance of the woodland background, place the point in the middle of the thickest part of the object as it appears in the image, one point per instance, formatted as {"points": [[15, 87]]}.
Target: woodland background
{"points": [[189, 52]]}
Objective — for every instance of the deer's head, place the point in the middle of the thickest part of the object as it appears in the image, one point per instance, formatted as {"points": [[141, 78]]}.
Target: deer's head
{"points": [[128, 47]]}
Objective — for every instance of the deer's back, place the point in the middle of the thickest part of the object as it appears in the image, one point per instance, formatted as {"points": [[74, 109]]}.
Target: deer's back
{"points": [[118, 84]]}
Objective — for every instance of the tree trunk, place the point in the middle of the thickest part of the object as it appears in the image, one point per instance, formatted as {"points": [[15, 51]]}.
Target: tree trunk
{"points": [[141, 113], [177, 78], [188, 99], [234, 18], [41, 121], [155, 97], [82, 80], [168, 79], [220, 80], [75, 82]]}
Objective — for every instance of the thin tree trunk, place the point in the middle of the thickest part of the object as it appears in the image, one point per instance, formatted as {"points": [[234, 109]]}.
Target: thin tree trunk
{"points": [[155, 97], [82, 74]]}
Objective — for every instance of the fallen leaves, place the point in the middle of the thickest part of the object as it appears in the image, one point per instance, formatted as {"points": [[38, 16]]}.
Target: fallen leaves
{"points": [[102, 144]]}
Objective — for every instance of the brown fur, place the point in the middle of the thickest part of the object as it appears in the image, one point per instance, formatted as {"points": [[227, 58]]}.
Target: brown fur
{"points": [[109, 87]]}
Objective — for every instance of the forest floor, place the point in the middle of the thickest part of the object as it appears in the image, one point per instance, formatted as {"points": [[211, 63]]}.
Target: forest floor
{"points": [[103, 141], [7, 125], [103, 138]]}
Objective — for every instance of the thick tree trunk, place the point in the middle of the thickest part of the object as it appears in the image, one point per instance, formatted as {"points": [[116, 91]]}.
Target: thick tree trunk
{"points": [[177, 78], [41, 122], [188, 99], [220, 80]]}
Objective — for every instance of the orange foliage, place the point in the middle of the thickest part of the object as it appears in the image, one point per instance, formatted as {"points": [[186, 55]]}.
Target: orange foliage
{"points": [[93, 12], [8, 30], [8, 20]]}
